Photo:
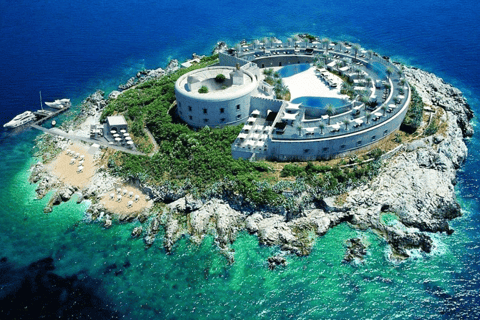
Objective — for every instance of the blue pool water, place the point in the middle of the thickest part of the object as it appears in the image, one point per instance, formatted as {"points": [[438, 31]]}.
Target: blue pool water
{"points": [[71, 48], [293, 69], [320, 102]]}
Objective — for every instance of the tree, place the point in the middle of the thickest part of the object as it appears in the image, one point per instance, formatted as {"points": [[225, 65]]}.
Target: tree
{"points": [[321, 126], [389, 71], [330, 112], [299, 128], [203, 89], [346, 122], [368, 115], [384, 109], [326, 43], [356, 48]]}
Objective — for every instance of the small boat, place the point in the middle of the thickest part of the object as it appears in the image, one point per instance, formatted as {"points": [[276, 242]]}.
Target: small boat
{"points": [[20, 120], [59, 104], [54, 123], [42, 113]]}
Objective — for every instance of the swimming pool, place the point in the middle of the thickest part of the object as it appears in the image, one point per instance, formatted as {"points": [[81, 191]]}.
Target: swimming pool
{"points": [[315, 107], [293, 69], [320, 102]]}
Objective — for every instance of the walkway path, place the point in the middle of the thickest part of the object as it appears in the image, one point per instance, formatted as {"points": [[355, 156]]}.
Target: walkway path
{"points": [[59, 132]]}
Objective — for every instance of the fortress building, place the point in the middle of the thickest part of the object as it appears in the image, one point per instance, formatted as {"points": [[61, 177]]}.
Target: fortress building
{"points": [[235, 91]]}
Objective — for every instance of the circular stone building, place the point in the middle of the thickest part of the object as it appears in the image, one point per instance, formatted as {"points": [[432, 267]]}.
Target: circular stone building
{"points": [[227, 101]]}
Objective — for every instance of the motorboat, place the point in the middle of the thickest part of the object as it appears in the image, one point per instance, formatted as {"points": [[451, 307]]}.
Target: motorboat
{"points": [[59, 104], [20, 120]]}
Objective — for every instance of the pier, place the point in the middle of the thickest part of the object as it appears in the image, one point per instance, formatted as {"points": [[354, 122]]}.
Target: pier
{"points": [[50, 116]]}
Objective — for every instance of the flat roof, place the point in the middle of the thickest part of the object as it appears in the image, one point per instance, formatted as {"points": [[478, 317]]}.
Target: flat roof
{"points": [[116, 121]]}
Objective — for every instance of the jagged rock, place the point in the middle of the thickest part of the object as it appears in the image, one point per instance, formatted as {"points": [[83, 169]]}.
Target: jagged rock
{"points": [[137, 232], [114, 95], [66, 192], [252, 222], [356, 250], [108, 223], [172, 66], [47, 209], [220, 46], [276, 261]]}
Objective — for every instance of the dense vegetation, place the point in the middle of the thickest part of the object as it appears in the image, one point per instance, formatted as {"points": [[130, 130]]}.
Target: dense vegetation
{"points": [[414, 116], [200, 161]]}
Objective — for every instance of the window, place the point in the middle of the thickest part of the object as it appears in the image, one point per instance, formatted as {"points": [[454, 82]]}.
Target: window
{"points": [[179, 105], [190, 117], [306, 150], [359, 142], [189, 108], [239, 116], [222, 110], [325, 149], [342, 146], [205, 120], [374, 137], [204, 111], [238, 107], [385, 132], [280, 64], [222, 120]]}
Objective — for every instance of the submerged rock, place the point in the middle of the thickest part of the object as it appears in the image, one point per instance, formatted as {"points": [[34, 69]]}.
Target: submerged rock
{"points": [[276, 261]]}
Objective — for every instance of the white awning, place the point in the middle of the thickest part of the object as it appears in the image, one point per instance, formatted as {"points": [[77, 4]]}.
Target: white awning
{"points": [[392, 106], [242, 135], [255, 113], [378, 114], [289, 116], [336, 126], [325, 117], [259, 144], [310, 129], [292, 107], [358, 121], [251, 120], [247, 127]]}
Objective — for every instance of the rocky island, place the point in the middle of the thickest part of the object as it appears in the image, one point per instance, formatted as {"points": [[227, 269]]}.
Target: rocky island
{"points": [[402, 187]]}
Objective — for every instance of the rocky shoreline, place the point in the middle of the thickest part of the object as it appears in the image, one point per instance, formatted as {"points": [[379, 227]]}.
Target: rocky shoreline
{"points": [[415, 186]]}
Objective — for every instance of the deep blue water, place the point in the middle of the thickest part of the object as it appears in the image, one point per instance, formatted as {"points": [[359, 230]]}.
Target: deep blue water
{"points": [[69, 49], [293, 69]]}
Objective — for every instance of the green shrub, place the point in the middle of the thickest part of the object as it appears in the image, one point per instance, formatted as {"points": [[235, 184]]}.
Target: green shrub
{"points": [[203, 89], [220, 78]]}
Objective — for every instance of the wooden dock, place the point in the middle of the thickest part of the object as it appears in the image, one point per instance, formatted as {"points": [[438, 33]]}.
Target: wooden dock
{"points": [[53, 115]]}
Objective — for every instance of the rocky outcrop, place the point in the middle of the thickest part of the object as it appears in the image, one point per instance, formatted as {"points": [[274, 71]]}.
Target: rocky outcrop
{"points": [[356, 250], [416, 185]]}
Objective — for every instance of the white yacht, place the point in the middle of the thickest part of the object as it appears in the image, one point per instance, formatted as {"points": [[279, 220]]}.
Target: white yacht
{"points": [[59, 104], [20, 120]]}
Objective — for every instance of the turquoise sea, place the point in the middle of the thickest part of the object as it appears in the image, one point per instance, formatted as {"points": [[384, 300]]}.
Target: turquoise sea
{"points": [[59, 265]]}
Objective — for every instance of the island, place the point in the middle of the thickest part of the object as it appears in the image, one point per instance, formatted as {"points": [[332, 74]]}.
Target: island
{"points": [[283, 140]]}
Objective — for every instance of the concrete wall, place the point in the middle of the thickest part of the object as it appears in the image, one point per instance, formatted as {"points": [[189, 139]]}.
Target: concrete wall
{"points": [[218, 113], [304, 150], [282, 60], [265, 104]]}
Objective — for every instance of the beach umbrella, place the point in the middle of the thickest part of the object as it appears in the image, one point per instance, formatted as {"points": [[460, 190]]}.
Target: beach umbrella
{"points": [[112, 195], [129, 142], [130, 194], [80, 169], [123, 131], [77, 155], [118, 139], [130, 204], [137, 197], [80, 163], [113, 131], [116, 135], [128, 138], [119, 198], [126, 134], [72, 161], [68, 151], [119, 190], [125, 191], [82, 156]]}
